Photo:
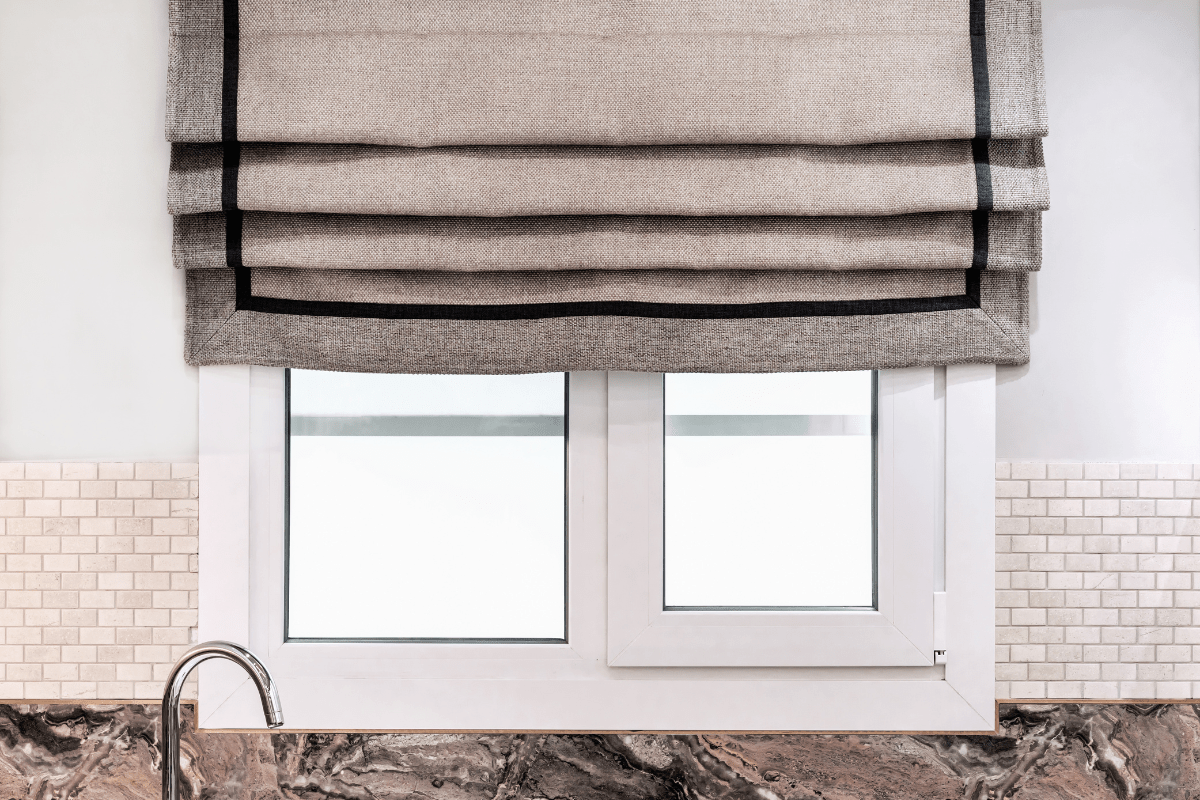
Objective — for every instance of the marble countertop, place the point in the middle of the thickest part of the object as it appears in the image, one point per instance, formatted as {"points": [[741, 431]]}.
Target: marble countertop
{"points": [[1042, 752]]}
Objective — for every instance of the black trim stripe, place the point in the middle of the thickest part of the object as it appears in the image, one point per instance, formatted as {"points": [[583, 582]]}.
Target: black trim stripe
{"points": [[229, 75], [231, 157], [974, 289], [983, 133], [232, 151], [979, 69], [983, 207], [233, 239], [245, 300]]}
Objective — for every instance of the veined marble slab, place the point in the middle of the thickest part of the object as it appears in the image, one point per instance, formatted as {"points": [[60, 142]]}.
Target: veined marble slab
{"points": [[1043, 752]]}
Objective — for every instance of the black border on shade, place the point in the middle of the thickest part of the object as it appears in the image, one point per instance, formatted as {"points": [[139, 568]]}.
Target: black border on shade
{"points": [[246, 300]]}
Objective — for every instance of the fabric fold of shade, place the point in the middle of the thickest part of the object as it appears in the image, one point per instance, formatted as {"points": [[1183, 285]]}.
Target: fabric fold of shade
{"points": [[618, 72], [482, 244], [655, 185], [865, 180], [230, 324]]}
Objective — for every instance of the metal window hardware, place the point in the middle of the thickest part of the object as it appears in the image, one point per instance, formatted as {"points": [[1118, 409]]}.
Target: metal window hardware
{"points": [[939, 627]]}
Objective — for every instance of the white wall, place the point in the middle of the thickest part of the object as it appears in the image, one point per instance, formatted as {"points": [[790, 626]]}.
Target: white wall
{"points": [[91, 310], [1115, 373]]}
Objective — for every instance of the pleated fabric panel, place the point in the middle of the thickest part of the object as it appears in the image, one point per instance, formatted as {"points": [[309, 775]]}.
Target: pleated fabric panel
{"points": [[652, 185]]}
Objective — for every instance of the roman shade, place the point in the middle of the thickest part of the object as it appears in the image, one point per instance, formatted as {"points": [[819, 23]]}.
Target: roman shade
{"points": [[654, 185]]}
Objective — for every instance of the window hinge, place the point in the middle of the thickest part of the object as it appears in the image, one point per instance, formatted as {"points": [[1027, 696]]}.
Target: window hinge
{"points": [[939, 627]]}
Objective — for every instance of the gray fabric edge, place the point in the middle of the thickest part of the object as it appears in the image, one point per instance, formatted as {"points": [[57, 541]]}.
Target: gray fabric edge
{"points": [[1016, 71], [1004, 302], [195, 58], [194, 92], [198, 241], [1018, 168], [217, 333], [194, 182], [1014, 241], [196, 17]]}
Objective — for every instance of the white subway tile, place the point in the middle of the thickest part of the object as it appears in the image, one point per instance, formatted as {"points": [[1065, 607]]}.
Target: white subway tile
{"points": [[1020, 508], [1119, 489], [1138, 471], [1109, 471], [1064, 690], [1045, 672], [1082, 635], [1046, 562], [1083, 489], [1156, 489], [1136, 508], [79, 472], [1140, 616], [115, 471], [1012, 672], [1064, 616], [1028, 470], [1101, 690], [1174, 472], [1046, 526], [1155, 672], [1064, 471], [1137, 580], [1136, 690]]}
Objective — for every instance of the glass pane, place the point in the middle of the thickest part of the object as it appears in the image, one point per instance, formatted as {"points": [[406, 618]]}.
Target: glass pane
{"points": [[769, 491], [426, 506]]}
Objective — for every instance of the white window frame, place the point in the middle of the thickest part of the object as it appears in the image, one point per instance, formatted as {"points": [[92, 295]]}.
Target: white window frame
{"points": [[572, 686], [899, 632]]}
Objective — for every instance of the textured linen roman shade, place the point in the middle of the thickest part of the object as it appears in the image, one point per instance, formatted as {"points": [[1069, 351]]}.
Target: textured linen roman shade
{"points": [[655, 185]]}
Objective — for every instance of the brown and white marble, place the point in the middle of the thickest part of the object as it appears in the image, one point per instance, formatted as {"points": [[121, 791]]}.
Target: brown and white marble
{"points": [[1043, 752]]}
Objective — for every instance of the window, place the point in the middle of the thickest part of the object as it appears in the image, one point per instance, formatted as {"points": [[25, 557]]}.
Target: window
{"points": [[769, 491], [425, 507], [877, 529], [804, 552]]}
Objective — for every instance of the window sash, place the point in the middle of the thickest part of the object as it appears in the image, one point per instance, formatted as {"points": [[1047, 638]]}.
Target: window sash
{"points": [[417, 425], [899, 632]]}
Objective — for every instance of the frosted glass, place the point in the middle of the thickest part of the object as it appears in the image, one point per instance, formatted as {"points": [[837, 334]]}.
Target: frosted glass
{"points": [[781, 520], [770, 393], [367, 393], [427, 536]]}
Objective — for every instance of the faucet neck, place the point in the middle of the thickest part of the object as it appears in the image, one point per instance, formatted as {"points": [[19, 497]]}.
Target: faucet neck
{"points": [[172, 729]]}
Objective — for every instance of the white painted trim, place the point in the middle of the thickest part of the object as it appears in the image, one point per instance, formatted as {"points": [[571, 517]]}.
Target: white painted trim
{"points": [[225, 521], [898, 633], [539, 687], [615, 705], [971, 536]]}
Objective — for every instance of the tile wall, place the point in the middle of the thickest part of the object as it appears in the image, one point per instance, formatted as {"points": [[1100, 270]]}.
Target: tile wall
{"points": [[1097, 577], [98, 566], [1098, 580]]}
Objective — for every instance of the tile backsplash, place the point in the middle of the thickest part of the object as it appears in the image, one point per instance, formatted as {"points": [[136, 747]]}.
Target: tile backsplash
{"points": [[1097, 579], [98, 577]]}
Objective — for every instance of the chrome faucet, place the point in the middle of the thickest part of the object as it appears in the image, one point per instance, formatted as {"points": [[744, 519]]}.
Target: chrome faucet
{"points": [[268, 691]]}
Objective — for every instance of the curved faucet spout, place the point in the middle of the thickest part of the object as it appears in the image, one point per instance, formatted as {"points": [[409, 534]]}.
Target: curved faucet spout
{"points": [[268, 692]]}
